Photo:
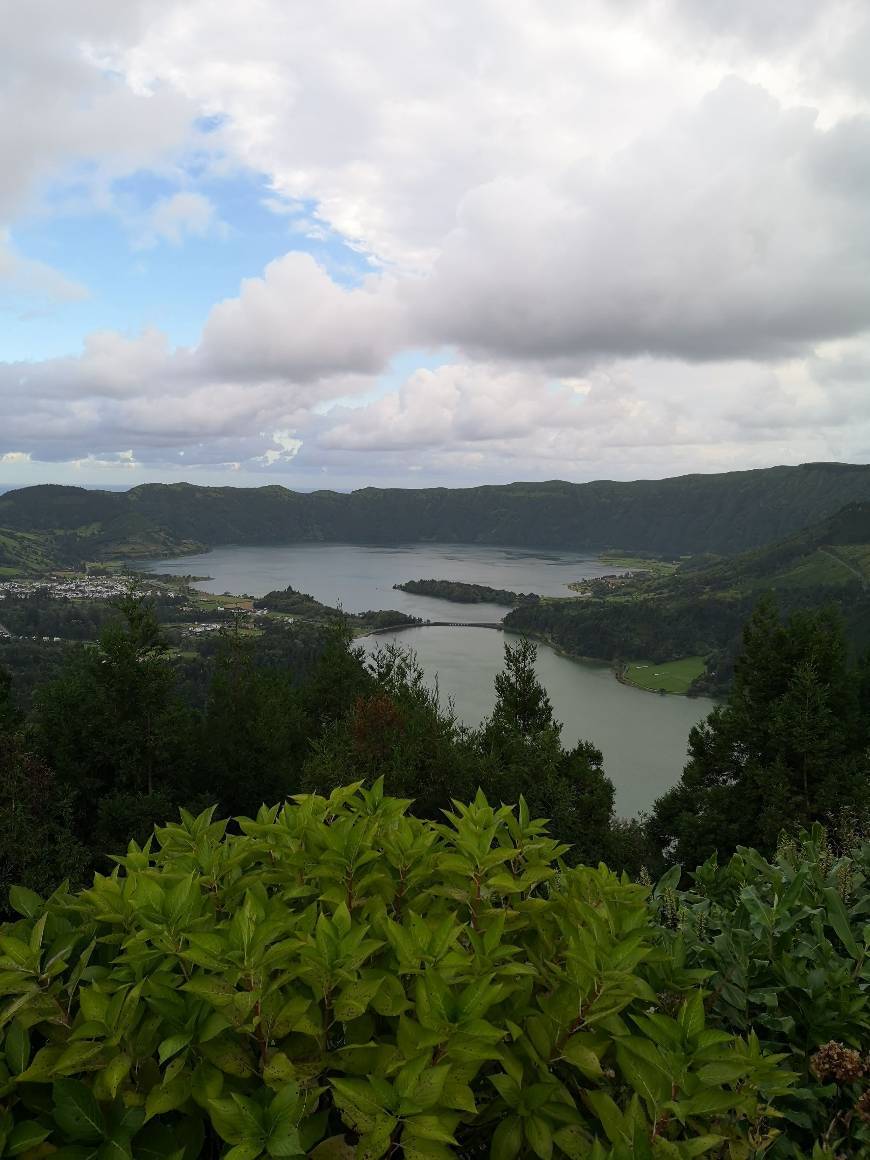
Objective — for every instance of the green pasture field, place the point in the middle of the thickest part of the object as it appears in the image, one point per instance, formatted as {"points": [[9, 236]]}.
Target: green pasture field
{"points": [[672, 676]]}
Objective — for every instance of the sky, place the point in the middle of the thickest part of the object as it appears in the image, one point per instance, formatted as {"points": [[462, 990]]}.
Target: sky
{"points": [[405, 244]]}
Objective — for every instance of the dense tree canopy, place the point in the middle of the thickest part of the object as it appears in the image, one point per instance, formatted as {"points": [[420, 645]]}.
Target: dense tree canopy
{"points": [[789, 747], [128, 731], [425, 977]]}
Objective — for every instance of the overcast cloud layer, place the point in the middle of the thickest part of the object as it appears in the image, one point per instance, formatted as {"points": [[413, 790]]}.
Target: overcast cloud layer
{"points": [[573, 239]]}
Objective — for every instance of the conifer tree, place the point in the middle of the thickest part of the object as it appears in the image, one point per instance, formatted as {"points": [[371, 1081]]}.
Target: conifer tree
{"points": [[522, 705], [788, 748], [523, 755], [9, 717]]}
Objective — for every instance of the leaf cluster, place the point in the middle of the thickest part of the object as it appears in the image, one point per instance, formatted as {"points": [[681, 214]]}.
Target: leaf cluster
{"points": [[785, 947], [337, 974]]}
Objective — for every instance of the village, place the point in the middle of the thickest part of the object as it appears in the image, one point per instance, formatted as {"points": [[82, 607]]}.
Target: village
{"points": [[604, 585], [78, 586]]}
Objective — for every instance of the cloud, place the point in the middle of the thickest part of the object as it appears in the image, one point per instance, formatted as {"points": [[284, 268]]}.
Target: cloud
{"points": [[24, 281], [176, 217], [625, 417], [636, 233], [120, 459], [297, 323], [71, 113], [739, 231], [288, 342], [287, 447]]}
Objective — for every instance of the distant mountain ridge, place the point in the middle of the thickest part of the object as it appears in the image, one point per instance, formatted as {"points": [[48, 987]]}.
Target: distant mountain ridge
{"points": [[719, 514]]}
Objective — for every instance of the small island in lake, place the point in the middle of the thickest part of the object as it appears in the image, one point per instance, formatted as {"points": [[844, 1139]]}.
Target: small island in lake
{"points": [[462, 593], [301, 606]]}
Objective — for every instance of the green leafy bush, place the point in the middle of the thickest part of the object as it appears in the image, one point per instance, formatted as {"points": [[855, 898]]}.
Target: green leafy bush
{"points": [[341, 976], [786, 944]]}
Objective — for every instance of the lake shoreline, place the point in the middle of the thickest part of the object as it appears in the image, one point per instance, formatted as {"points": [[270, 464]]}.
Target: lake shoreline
{"points": [[643, 739], [570, 563]]}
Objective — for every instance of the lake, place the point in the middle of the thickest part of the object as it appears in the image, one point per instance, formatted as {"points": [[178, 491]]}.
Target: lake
{"points": [[359, 577], [642, 735]]}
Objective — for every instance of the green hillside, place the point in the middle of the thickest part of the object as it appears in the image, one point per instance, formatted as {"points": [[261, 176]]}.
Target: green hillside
{"points": [[685, 515], [24, 552], [834, 553], [699, 610]]}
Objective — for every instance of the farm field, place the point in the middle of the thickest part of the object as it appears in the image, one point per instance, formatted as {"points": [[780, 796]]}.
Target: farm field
{"points": [[672, 677]]}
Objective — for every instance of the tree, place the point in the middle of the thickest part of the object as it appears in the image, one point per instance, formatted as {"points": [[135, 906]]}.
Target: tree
{"points": [[523, 755], [788, 748], [255, 733], [9, 715], [112, 722], [522, 705], [38, 848], [396, 729], [338, 678]]}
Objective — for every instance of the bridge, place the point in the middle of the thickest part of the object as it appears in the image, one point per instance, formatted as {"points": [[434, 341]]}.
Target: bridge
{"points": [[497, 624]]}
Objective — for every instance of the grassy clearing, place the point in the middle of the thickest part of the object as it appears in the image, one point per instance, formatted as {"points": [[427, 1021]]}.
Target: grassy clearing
{"points": [[623, 560], [822, 568], [673, 676], [858, 555], [209, 600], [26, 552]]}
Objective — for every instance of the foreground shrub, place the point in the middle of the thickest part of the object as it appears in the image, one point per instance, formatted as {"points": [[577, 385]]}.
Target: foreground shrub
{"points": [[340, 974], [786, 944]]}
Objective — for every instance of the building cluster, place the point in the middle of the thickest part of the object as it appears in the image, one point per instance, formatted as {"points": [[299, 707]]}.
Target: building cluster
{"points": [[608, 583], [75, 587], [204, 628]]}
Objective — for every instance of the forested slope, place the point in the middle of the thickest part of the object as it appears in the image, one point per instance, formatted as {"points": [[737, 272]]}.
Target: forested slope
{"points": [[700, 609], [720, 514]]}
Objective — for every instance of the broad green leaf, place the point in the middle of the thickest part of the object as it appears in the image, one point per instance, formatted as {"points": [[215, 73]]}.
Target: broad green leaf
{"points": [[700, 1145], [76, 1112], [42, 1066], [429, 1087], [573, 1141], [583, 1058], [167, 1097], [245, 1151], [17, 1047], [355, 999], [25, 1135], [156, 1141], [376, 1142], [285, 1143], [644, 1068], [539, 1136], [437, 1129], [206, 1083], [727, 1071], [612, 1120], [691, 1017], [113, 1074], [279, 1071], [25, 902], [172, 1045], [839, 920], [228, 1120], [117, 1148]]}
